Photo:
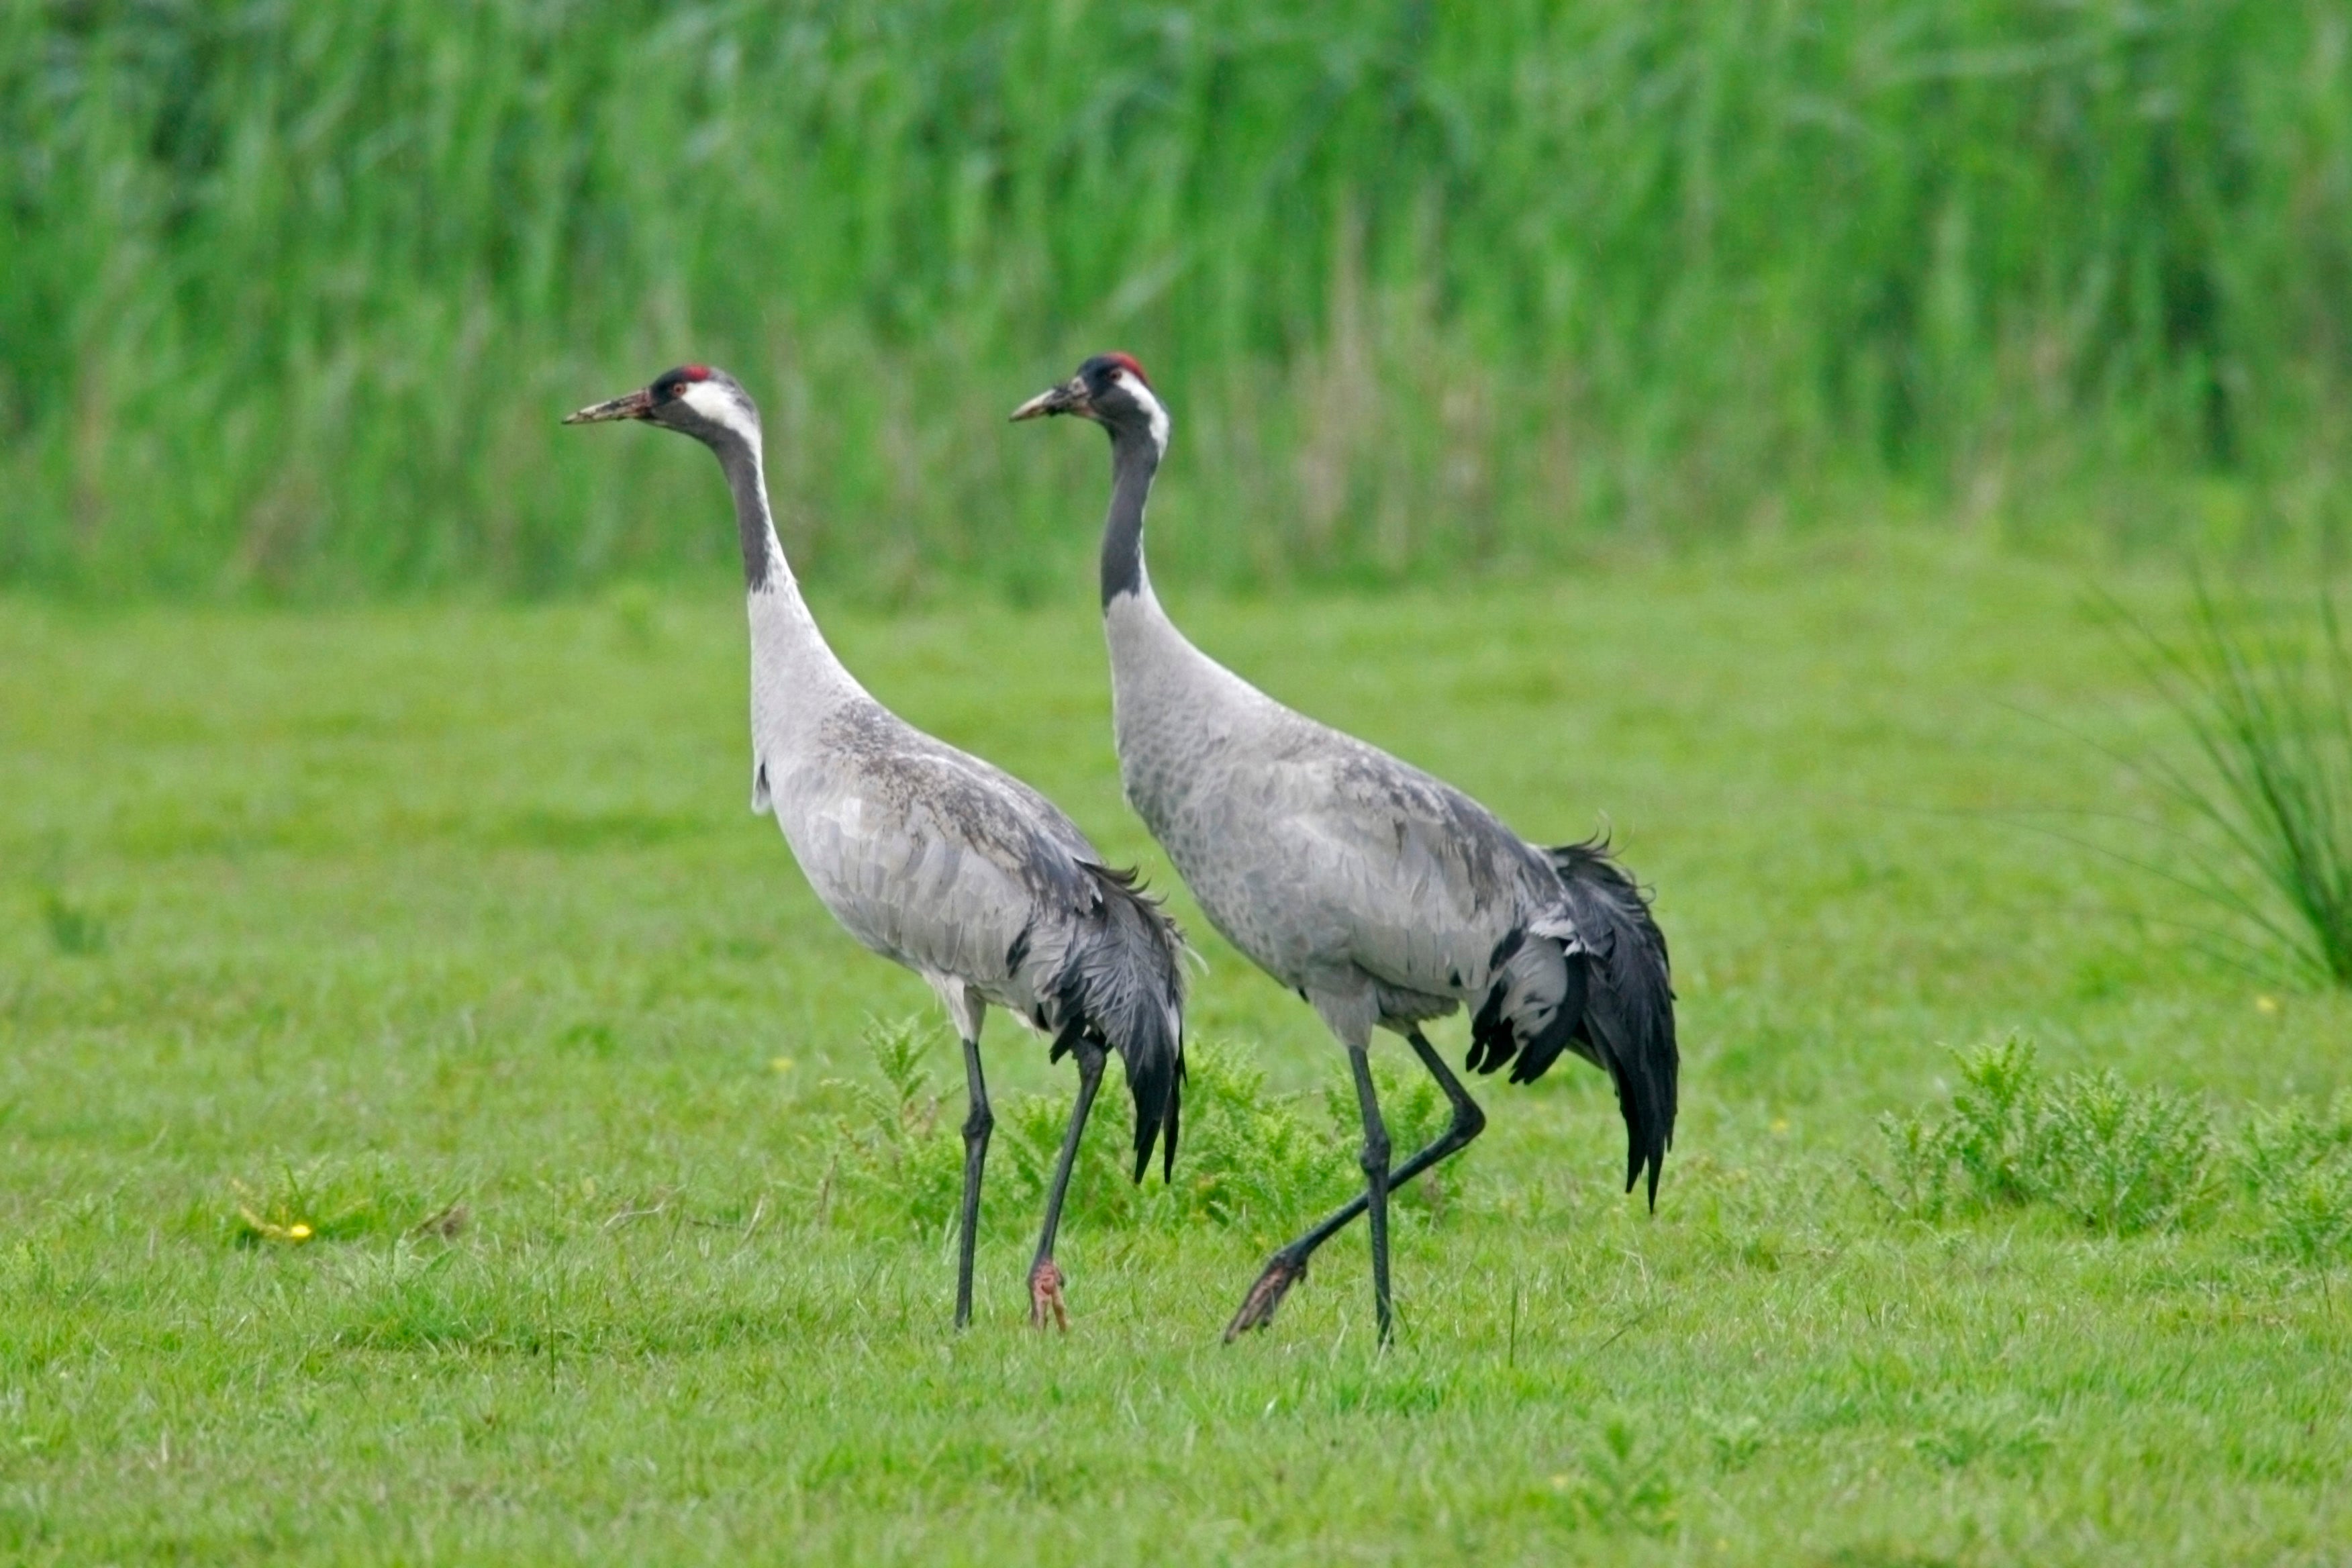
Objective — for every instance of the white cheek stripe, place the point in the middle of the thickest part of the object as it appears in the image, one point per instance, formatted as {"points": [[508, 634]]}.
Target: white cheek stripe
{"points": [[1152, 407], [714, 402]]}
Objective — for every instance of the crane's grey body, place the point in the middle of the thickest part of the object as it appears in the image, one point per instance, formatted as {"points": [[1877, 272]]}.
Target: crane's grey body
{"points": [[926, 854], [932, 858], [1379, 892], [1383, 896]]}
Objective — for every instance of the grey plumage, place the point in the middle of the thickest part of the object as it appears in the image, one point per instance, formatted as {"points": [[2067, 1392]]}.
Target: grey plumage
{"points": [[1383, 896], [958, 871], [929, 855], [1388, 897]]}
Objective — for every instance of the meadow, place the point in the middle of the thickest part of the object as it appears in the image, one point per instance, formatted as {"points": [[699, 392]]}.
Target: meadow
{"points": [[438, 1125]]}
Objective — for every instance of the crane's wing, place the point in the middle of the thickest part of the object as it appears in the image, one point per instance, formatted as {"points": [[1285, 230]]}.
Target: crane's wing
{"points": [[1381, 865], [927, 854], [1419, 886], [952, 867]]}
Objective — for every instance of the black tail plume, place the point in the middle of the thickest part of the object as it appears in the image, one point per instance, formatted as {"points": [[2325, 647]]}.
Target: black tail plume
{"points": [[1629, 1000], [1123, 987]]}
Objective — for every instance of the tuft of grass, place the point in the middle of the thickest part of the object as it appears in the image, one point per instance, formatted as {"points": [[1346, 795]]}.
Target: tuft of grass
{"points": [[75, 928], [2268, 704], [889, 1150], [1969, 1431]]}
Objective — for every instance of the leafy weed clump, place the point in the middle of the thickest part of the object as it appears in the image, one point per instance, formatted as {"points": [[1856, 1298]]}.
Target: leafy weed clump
{"points": [[2294, 1169], [2119, 1160], [1621, 1481], [1251, 1158], [75, 928], [888, 1150]]}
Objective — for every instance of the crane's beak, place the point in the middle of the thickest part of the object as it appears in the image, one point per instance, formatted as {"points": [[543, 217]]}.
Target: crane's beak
{"points": [[638, 405], [1070, 397]]}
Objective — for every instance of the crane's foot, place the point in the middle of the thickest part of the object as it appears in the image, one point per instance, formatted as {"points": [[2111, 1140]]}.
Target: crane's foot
{"points": [[1283, 1270], [1045, 1296]]}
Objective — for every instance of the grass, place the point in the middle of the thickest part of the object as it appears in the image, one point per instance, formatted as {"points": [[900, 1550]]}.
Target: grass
{"points": [[295, 293], [441, 931], [2268, 698]]}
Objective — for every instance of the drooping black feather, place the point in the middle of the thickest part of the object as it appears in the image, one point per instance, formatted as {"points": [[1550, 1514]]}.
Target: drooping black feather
{"points": [[1616, 1005], [1122, 987], [1629, 1012]]}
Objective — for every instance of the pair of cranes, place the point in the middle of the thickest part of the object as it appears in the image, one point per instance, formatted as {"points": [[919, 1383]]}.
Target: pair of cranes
{"points": [[1383, 896]]}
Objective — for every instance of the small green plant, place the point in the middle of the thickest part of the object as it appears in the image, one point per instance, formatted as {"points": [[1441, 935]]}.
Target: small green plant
{"points": [[333, 1200], [1996, 1131], [1255, 1160], [2123, 1159], [1985, 1152], [2119, 1160], [1621, 1481], [1734, 1440], [1251, 1159], [75, 928], [2294, 1166], [891, 1149]]}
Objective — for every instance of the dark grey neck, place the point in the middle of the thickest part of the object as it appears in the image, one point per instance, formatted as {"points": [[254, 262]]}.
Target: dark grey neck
{"points": [[741, 462], [1133, 461]]}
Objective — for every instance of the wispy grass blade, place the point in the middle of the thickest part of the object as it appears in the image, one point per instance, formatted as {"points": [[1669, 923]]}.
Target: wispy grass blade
{"points": [[2268, 708]]}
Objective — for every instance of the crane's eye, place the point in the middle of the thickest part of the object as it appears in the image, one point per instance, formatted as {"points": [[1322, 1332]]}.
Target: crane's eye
{"points": [[678, 389]]}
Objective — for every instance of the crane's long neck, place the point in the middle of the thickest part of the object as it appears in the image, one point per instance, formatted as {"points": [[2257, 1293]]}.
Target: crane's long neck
{"points": [[764, 567], [794, 674], [1161, 686], [1134, 459]]}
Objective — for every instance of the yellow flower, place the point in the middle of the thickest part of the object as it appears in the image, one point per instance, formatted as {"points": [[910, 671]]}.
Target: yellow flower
{"points": [[269, 1230]]}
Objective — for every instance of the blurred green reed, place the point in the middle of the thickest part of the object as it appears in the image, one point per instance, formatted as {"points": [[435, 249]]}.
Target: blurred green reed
{"points": [[294, 293]]}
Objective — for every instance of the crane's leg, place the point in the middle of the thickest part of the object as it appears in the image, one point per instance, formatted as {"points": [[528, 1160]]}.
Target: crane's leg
{"points": [[1289, 1266], [1375, 1160], [977, 1123], [1046, 1275]]}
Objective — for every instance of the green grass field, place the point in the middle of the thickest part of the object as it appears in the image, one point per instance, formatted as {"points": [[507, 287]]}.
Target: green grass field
{"points": [[345, 921]]}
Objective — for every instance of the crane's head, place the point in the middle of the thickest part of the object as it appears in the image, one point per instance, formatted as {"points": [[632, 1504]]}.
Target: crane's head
{"points": [[1112, 391], [708, 405]]}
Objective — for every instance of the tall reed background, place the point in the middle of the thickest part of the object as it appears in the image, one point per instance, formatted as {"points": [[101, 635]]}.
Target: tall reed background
{"points": [[294, 293]]}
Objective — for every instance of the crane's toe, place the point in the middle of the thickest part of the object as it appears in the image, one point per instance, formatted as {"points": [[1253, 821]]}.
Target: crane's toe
{"points": [[1283, 1270], [1045, 1296]]}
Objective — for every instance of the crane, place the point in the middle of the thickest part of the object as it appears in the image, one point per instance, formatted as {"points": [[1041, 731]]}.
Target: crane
{"points": [[1384, 897], [936, 860]]}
